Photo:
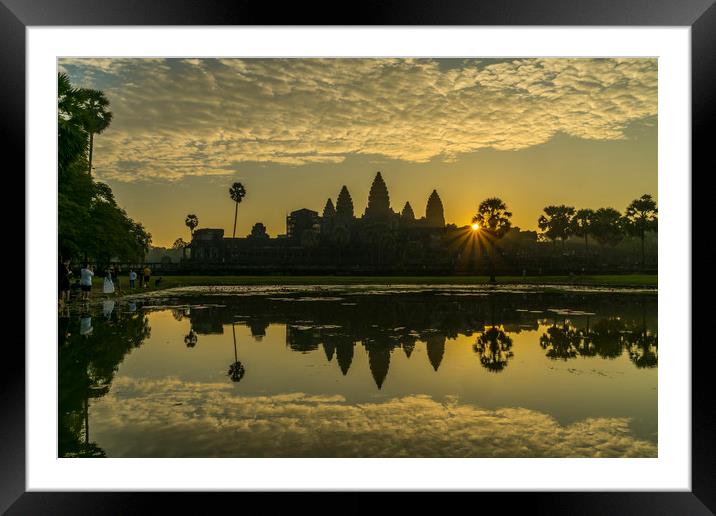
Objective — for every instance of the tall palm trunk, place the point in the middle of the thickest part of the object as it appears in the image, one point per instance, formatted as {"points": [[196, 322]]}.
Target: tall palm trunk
{"points": [[491, 255], [236, 211], [91, 147], [233, 331]]}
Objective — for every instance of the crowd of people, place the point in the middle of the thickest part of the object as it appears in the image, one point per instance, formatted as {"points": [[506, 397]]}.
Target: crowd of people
{"points": [[81, 286]]}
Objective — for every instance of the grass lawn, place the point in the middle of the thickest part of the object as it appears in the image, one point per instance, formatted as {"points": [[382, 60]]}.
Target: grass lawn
{"points": [[627, 280]]}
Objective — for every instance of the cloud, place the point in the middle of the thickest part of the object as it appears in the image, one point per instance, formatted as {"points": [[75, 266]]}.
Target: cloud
{"points": [[171, 418], [195, 117]]}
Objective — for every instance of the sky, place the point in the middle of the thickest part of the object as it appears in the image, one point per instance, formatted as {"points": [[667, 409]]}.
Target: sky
{"points": [[534, 132]]}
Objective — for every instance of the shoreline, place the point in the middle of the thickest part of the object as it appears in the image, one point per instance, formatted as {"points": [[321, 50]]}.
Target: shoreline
{"points": [[636, 282]]}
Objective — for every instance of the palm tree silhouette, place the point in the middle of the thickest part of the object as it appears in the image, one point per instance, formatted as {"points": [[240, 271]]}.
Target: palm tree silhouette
{"points": [[556, 222], [640, 217], [191, 221], [643, 349], [581, 225], [236, 370], [95, 117], [560, 343], [191, 339], [237, 193], [493, 220], [494, 347]]}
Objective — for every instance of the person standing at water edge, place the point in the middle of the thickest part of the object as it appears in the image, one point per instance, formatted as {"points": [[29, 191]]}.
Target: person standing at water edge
{"points": [[64, 274], [108, 287], [86, 275], [147, 275], [132, 278], [115, 277]]}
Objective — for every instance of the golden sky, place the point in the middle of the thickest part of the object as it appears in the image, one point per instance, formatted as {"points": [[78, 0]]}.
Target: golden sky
{"points": [[532, 131]]}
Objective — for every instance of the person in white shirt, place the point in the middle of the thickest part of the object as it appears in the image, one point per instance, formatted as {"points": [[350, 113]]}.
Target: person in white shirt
{"points": [[86, 275], [132, 278], [108, 286]]}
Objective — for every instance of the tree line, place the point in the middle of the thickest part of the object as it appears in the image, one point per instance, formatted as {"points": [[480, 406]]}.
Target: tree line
{"points": [[92, 226], [606, 225]]}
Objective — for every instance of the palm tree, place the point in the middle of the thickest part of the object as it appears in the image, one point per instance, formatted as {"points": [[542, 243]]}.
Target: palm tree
{"points": [[191, 221], [72, 137], [493, 220], [643, 348], [557, 222], [237, 193], [191, 339], [96, 117], [640, 217], [582, 225], [607, 226], [236, 370], [494, 347], [560, 343]]}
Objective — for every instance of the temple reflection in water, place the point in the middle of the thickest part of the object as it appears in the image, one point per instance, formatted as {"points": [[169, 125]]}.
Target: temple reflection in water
{"points": [[340, 328]]}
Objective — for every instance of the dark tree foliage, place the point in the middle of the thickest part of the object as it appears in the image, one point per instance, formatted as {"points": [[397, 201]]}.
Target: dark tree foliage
{"points": [[191, 221], [90, 223], [494, 349], [581, 224], [237, 192], [607, 226], [641, 217], [556, 223]]}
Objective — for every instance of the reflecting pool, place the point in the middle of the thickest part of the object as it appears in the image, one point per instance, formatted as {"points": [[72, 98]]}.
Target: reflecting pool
{"points": [[400, 371]]}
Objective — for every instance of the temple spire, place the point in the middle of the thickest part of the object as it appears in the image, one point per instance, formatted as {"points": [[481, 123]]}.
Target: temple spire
{"points": [[434, 215], [344, 205], [407, 215], [378, 200], [329, 211]]}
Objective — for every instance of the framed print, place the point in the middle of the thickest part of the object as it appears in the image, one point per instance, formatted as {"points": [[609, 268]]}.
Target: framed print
{"points": [[416, 253]]}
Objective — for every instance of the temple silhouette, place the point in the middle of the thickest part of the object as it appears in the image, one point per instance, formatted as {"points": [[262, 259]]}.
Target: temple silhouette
{"points": [[337, 237]]}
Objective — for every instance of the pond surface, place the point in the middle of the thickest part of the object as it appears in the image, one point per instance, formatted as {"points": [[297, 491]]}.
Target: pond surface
{"points": [[404, 371]]}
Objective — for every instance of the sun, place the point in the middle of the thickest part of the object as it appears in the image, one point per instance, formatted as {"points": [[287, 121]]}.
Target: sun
{"points": [[475, 226]]}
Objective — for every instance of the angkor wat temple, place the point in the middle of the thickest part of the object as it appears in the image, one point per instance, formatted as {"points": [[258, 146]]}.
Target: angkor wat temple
{"points": [[382, 240], [337, 239]]}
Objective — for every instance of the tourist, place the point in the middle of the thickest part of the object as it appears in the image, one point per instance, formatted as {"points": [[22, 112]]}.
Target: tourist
{"points": [[115, 277], [147, 275], [86, 275], [108, 287], [132, 278], [64, 281]]}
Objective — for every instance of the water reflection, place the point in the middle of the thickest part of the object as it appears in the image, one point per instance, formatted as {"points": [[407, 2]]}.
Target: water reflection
{"points": [[607, 339], [493, 346], [343, 331], [202, 415], [236, 369], [87, 364]]}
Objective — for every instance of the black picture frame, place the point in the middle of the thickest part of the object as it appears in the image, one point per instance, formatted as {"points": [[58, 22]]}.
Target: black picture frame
{"points": [[700, 15]]}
